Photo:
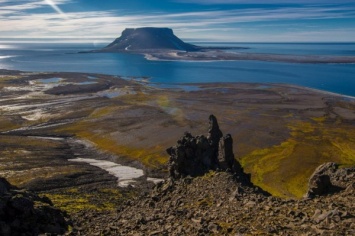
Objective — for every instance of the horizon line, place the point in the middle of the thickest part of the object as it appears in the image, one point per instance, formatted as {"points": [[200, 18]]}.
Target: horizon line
{"points": [[109, 40]]}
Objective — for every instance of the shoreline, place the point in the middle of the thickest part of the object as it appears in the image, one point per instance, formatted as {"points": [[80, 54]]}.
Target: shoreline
{"points": [[210, 55], [157, 84]]}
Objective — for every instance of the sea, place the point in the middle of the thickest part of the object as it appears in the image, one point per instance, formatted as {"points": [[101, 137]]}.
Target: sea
{"points": [[64, 57]]}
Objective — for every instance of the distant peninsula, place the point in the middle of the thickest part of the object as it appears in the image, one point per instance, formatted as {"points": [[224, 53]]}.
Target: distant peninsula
{"points": [[163, 44]]}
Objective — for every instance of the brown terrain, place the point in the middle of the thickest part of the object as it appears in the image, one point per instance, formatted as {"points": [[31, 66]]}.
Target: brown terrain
{"points": [[281, 134]]}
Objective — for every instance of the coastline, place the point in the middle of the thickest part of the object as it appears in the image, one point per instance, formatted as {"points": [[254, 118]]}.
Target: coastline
{"points": [[166, 86], [227, 56], [222, 55]]}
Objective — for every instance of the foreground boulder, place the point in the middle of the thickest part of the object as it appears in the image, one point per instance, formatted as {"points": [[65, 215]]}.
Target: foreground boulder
{"points": [[195, 156], [329, 178], [25, 213]]}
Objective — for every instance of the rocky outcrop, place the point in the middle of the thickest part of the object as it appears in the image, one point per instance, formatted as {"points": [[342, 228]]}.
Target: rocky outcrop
{"points": [[149, 38], [194, 156], [218, 204], [214, 135], [226, 160], [221, 203], [329, 178], [25, 213]]}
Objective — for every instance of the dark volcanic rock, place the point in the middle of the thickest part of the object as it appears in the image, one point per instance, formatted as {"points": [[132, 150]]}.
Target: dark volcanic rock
{"points": [[194, 156], [149, 38], [219, 204], [214, 134], [226, 158], [319, 185], [25, 213], [329, 178], [191, 156]]}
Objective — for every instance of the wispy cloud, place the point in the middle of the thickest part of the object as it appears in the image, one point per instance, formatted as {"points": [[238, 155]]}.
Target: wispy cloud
{"points": [[221, 2], [22, 5], [55, 7], [18, 20]]}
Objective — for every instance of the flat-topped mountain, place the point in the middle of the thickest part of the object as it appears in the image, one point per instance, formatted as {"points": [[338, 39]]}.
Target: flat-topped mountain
{"points": [[149, 38]]}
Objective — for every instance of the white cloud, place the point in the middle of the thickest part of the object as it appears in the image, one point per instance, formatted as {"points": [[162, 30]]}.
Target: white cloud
{"points": [[15, 21], [22, 5], [55, 7], [212, 2]]}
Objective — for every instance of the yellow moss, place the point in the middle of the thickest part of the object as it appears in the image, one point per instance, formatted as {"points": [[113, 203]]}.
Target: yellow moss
{"points": [[319, 119], [4, 78], [153, 156], [138, 99], [209, 175], [267, 162], [163, 101], [73, 200], [69, 204], [346, 151], [23, 177], [284, 170], [100, 112], [21, 142], [300, 128], [289, 115], [7, 124]]}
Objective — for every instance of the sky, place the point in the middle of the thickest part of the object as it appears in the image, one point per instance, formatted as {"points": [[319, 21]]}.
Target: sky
{"points": [[191, 20]]}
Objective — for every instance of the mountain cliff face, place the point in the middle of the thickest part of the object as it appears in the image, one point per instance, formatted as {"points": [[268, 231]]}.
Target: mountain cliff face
{"points": [[149, 38]]}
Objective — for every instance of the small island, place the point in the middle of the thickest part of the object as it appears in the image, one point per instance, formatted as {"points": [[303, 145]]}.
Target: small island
{"points": [[163, 44]]}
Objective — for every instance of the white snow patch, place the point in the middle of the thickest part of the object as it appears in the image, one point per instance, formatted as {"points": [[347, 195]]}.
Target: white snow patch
{"points": [[35, 115], [47, 138], [125, 174], [154, 180]]}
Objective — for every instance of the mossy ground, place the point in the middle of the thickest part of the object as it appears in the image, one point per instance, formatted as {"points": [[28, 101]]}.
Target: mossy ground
{"points": [[152, 157], [284, 170], [23, 159], [73, 200]]}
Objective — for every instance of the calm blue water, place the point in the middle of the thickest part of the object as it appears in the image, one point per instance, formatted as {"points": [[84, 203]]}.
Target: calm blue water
{"points": [[338, 78], [335, 49]]}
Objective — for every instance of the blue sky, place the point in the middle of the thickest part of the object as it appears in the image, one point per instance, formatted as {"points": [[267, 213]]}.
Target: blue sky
{"points": [[192, 20]]}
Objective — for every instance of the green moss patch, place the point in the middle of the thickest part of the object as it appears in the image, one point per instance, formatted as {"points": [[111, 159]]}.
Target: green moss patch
{"points": [[284, 169], [77, 199]]}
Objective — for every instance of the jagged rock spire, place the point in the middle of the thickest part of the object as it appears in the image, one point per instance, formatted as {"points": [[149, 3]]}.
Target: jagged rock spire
{"points": [[193, 156]]}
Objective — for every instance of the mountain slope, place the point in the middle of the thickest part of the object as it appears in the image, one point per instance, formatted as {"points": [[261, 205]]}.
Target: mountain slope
{"points": [[149, 38]]}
